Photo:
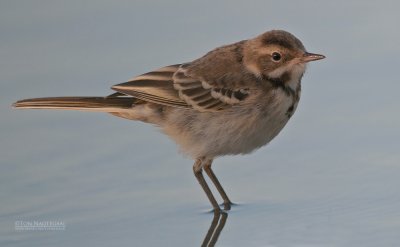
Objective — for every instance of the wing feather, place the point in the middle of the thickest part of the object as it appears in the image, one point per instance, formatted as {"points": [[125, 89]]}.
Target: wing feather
{"points": [[171, 86], [155, 86], [201, 95]]}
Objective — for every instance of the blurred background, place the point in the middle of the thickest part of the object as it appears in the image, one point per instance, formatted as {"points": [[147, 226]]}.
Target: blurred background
{"points": [[331, 178]]}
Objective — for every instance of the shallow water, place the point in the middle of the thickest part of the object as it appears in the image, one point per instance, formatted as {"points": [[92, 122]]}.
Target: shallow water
{"points": [[331, 178]]}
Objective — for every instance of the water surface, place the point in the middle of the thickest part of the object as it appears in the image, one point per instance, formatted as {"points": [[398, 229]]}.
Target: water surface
{"points": [[331, 178]]}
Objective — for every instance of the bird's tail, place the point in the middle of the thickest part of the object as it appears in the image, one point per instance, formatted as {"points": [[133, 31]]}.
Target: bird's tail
{"points": [[99, 104]]}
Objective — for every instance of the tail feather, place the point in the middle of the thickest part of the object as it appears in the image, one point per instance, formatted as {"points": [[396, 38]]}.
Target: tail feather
{"points": [[103, 104]]}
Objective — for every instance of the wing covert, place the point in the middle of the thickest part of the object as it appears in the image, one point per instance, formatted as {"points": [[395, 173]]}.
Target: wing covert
{"points": [[173, 87]]}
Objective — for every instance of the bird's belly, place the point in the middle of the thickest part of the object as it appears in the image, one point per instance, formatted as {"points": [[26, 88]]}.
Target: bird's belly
{"points": [[237, 131]]}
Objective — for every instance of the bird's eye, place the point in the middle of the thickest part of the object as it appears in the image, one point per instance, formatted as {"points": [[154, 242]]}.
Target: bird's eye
{"points": [[276, 56]]}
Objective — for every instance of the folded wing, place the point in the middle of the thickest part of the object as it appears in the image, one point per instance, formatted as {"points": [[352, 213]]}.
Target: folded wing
{"points": [[175, 86]]}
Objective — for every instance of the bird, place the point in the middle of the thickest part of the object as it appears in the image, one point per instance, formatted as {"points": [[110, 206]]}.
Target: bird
{"points": [[233, 100]]}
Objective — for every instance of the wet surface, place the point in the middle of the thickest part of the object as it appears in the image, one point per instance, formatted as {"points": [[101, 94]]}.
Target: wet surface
{"points": [[331, 178]]}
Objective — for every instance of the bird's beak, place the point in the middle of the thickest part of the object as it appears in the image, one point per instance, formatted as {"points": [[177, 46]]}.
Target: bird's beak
{"points": [[308, 57]]}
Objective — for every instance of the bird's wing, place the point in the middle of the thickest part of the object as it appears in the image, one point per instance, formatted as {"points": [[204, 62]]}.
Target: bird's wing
{"points": [[214, 82], [156, 86], [173, 87], [205, 95]]}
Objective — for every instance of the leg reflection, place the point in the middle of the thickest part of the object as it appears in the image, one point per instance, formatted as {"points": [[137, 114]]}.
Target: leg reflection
{"points": [[215, 229]]}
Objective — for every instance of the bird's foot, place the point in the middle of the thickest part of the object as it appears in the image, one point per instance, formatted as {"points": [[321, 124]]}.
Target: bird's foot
{"points": [[227, 205]]}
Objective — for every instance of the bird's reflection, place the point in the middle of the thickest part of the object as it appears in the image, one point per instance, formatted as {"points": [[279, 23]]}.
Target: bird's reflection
{"points": [[217, 224]]}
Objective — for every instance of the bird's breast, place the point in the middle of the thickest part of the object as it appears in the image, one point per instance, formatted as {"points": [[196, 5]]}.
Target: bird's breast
{"points": [[239, 130]]}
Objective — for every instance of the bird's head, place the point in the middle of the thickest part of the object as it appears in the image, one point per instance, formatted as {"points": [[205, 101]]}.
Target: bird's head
{"points": [[277, 55]]}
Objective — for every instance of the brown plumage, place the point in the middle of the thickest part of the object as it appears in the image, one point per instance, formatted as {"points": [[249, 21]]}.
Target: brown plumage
{"points": [[233, 100]]}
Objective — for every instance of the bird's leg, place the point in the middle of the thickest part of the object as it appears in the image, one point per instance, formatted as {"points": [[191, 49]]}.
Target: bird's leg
{"points": [[214, 179], [198, 172]]}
